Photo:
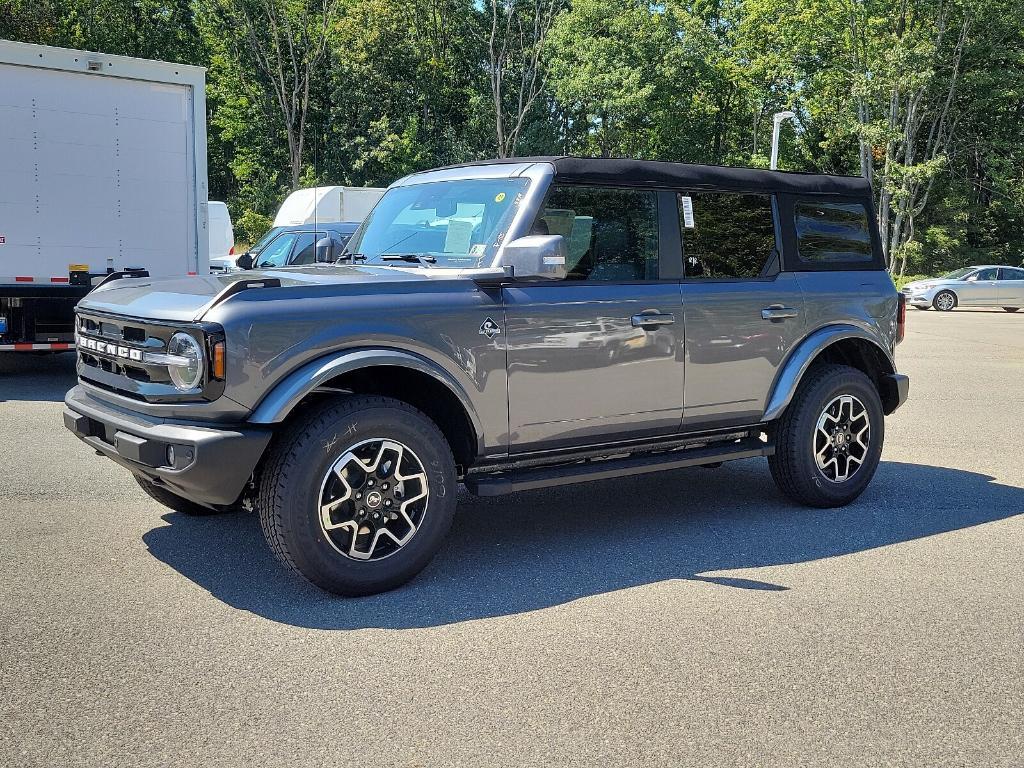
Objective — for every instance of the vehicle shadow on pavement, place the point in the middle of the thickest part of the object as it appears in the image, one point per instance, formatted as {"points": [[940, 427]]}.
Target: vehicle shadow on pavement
{"points": [[27, 376], [534, 550]]}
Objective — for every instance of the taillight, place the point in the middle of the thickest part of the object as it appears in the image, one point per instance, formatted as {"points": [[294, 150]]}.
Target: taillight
{"points": [[901, 318], [231, 251]]}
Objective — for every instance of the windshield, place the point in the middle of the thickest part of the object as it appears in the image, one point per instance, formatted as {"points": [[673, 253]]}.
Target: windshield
{"points": [[459, 224], [956, 274]]}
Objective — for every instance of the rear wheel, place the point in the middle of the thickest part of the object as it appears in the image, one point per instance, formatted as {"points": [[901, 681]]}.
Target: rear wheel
{"points": [[1010, 309], [358, 495], [944, 301], [829, 440], [172, 500]]}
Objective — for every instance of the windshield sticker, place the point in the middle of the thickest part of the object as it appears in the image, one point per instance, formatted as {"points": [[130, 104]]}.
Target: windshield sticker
{"points": [[477, 249], [687, 204], [500, 197], [457, 239]]}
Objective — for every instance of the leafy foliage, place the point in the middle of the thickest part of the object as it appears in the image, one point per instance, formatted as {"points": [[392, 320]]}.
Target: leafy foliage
{"points": [[925, 97]]}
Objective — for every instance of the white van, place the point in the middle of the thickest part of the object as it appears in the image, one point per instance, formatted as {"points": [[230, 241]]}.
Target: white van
{"points": [[222, 236], [308, 206]]}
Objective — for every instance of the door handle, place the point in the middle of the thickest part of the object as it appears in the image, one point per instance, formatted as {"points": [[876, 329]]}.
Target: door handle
{"points": [[778, 312], [649, 321]]}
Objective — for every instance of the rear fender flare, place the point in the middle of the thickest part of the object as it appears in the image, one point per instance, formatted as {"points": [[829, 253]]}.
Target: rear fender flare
{"points": [[800, 359], [282, 399]]}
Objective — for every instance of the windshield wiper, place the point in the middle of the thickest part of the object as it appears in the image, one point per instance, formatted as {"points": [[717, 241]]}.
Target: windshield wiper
{"points": [[353, 257], [412, 258]]}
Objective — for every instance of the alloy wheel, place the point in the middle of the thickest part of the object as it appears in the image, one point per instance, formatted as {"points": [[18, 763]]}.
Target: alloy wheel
{"points": [[373, 499], [841, 438]]}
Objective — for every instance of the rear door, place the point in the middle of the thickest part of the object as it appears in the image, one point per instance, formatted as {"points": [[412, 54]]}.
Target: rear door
{"points": [[597, 357], [1011, 287], [741, 314]]}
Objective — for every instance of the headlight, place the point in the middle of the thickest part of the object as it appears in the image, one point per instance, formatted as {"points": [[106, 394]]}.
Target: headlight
{"points": [[187, 370]]}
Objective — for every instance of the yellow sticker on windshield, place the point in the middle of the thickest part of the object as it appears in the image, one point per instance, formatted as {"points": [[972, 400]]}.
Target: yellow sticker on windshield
{"points": [[499, 197]]}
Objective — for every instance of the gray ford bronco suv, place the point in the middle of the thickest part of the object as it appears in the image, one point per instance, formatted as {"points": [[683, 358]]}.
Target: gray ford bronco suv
{"points": [[508, 325]]}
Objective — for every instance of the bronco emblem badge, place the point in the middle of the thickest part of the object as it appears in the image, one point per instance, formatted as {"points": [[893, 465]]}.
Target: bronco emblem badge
{"points": [[489, 328]]}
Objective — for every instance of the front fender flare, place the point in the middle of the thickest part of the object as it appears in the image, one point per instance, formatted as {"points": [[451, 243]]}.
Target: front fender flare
{"points": [[275, 406], [800, 359]]}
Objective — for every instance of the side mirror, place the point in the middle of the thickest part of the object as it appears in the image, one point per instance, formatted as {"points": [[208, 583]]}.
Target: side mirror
{"points": [[536, 256], [244, 261], [327, 250]]}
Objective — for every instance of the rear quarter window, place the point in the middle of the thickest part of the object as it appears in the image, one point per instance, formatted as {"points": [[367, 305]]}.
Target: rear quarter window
{"points": [[830, 234]]}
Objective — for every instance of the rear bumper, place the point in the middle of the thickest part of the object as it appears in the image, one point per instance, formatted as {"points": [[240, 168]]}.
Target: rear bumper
{"points": [[212, 462], [895, 390]]}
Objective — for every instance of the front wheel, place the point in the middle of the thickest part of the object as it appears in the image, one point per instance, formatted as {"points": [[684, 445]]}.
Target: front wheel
{"points": [[829, 440], [944, 301], [358, 494]]}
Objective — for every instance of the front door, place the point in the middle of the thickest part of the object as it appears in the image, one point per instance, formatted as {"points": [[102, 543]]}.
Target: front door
{"points": [[741, 314], [596, 357], [980, 289]]}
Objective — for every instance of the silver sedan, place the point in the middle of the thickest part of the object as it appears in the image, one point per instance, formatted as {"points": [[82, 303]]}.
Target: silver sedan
{"points": [[981, 286]]}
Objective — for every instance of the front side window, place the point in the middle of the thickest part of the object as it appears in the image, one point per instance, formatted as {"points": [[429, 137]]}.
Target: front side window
{"points": [[984, 274], [275, 254], [457, 223], [833, 232], [727, 235], [610, 234]]}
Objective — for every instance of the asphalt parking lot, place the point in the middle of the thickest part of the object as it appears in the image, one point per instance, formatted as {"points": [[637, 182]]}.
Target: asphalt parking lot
{"points": [[689, 618]]}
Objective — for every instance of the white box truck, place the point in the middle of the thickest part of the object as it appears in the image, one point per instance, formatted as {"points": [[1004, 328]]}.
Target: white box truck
{"points": [[333, 204], [102, 169]]}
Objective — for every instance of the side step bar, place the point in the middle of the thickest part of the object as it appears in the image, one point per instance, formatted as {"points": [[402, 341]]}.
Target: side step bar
{"points": [[525, 479]]}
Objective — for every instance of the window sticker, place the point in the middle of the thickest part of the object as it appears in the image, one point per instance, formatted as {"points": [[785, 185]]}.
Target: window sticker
{"points": [[500, 197], [687, 203]]}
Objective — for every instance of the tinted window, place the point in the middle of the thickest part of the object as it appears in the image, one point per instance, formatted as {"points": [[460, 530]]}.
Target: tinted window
{"points": [[610, 234], [727, 235], [305, 247], [833, 232], [1012, 274]]}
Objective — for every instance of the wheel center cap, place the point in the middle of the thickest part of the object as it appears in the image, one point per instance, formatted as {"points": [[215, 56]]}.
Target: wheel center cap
{"points": [[840, 438], [373, 499]]}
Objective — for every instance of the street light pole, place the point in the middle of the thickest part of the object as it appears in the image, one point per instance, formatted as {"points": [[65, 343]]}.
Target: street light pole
{"points": [[777, 121]]}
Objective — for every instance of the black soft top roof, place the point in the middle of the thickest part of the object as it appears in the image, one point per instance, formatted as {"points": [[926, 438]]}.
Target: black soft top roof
{"points": [[654, 173]]}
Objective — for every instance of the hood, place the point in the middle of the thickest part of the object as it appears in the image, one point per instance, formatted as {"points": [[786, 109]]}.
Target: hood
{"points": [[925, 283], [184, 299]]}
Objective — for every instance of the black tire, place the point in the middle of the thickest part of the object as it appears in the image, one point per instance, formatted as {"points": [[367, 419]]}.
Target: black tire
{"points": [[793, 465], [298, 468], [172, 500], [1010, 309], [924, 308], [947, 307]]}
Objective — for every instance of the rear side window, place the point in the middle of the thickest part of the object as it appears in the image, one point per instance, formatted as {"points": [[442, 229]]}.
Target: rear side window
{"points": [[833, 233], [726, 235], [610, 234]]}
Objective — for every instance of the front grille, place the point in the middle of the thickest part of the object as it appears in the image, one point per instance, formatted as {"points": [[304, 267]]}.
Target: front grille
{"points": [[118, 366]]}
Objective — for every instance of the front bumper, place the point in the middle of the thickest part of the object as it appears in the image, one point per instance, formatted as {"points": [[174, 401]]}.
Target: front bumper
{"points": [[212, 462]]}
